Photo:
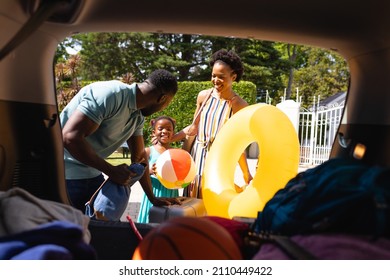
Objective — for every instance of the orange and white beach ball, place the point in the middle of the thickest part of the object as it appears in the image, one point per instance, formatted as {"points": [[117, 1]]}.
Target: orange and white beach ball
{"points": [[175, 168]]}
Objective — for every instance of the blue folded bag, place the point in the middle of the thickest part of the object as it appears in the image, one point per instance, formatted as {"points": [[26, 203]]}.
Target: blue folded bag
{"points": [[110, 200]]}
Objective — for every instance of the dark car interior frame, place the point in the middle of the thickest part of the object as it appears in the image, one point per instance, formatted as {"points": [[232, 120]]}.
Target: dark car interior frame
{"points": [[31, 150]]}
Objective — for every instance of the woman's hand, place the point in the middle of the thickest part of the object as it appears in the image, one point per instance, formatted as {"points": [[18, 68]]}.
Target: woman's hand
{"points": [[192, 130]]}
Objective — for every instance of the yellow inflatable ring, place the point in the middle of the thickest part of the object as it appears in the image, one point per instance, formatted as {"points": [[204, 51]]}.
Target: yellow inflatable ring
{"points": [[277, 164]]}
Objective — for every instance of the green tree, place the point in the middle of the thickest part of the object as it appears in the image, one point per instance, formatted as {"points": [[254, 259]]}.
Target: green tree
{"points": [[293, 56], [263, 63], [323, 74], [113, 55], [275, 68], [62, 54], [264, 66], [67, 71]]}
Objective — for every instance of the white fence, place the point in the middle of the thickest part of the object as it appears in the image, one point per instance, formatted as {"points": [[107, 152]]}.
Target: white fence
{"points": [[317, 131]]}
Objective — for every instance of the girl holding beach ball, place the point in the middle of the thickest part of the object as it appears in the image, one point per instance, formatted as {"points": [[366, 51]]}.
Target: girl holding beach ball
{"points": [[170, 168]]}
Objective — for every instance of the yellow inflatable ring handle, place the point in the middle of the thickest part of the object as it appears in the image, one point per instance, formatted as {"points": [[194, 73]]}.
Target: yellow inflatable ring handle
{"points": [[277, 164]]}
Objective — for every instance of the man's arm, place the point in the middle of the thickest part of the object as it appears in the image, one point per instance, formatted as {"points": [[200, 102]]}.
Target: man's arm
{"points": [[76, 129]]}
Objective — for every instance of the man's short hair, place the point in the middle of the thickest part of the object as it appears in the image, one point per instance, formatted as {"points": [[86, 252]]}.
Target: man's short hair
{"points": [[164, 80]]}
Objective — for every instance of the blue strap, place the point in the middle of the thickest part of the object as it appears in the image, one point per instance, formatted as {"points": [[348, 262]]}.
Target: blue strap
{"points": [[379, 197]]}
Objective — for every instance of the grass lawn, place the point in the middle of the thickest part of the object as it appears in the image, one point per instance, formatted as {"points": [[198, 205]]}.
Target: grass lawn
{"points": [[117, 158]]}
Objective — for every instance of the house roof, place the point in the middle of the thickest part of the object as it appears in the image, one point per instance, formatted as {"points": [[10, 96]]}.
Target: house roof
{"points": [[336, 99]]}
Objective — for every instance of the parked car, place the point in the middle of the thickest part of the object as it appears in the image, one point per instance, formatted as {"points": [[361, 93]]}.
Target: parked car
{"points": [[31, 148]]}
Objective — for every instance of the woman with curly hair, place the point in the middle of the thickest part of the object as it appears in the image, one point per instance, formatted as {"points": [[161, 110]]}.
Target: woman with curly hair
{"points": [[217, 105]]}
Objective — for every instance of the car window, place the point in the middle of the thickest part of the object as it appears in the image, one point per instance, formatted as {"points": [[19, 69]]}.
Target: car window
{"points": [[309, 84]]}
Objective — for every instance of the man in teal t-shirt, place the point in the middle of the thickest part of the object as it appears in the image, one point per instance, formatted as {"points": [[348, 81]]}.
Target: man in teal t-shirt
{"points": [[98, 120]]}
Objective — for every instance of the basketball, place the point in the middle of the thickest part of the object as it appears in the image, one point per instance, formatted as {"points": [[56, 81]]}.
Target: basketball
{"points": [[188, 238], [175, 168]]}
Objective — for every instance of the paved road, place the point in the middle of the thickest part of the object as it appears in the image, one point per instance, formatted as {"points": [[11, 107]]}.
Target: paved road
{"points": [[136, 191]]}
